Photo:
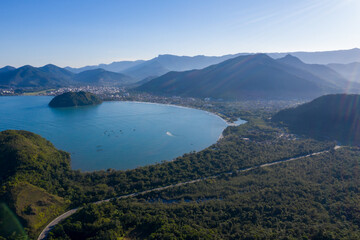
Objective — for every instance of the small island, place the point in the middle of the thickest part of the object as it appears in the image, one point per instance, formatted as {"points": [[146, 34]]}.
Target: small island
{"points": [[73, 99]]}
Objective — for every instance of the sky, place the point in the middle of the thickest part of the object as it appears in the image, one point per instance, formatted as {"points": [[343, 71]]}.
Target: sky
{"points": [[86, 32]]}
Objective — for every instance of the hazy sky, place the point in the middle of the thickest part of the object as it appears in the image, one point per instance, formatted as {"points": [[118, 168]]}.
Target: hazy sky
{"points": [[83, 32]]}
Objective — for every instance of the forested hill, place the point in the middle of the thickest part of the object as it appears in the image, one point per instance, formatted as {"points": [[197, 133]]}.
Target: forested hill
{"points": [[73, 99], [252, 76], [32, 171], [335, 116], [51, 76]]}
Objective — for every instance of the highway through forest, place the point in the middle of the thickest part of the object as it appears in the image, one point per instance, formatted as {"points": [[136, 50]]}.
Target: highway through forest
{"points": [[67, 214]]}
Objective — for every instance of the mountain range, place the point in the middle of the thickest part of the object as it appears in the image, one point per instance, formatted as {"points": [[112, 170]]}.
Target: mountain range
{"points": [[250, 76], [324, 57], [328, 75], [162, 64], [227, 77], [112, 67], [50, 76], [165, 63]]}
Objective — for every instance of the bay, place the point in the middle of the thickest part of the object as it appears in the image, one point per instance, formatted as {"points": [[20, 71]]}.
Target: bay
{"points": [[117, 135]]}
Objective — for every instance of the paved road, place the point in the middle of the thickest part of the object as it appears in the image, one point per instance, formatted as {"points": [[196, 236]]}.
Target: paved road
{"points": [[67, 214]]}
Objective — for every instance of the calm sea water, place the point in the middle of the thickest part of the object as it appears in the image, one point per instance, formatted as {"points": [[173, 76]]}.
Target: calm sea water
{"points": [[118, 135]]}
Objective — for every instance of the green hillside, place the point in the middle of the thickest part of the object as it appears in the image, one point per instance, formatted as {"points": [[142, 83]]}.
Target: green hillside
{"points": [[73, 99], [335, 117], [31, 172]]}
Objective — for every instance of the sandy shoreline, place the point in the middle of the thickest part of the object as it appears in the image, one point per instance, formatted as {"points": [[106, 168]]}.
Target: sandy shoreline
{"points": [[174, 105], [178, 106]]}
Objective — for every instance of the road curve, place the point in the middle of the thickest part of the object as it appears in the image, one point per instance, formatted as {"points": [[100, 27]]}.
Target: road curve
{"points": [[67, 214]]}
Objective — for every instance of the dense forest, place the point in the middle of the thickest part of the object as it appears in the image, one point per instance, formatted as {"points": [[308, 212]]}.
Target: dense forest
{"points": [[315, 198]]}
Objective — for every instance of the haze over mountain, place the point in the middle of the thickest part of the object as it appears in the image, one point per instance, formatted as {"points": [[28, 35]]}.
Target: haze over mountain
{"points": [[335, 117], [50, 76], [329, 76], [101, 77], [349, 71], [325, 77], [250, 76], [162, 64], [166, 63], [324, 57], [112, 67]]}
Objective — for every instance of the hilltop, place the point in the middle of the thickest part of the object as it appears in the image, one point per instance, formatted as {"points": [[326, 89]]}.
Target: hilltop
{"points": [[244, 77], [335, 117], [73, 99]]}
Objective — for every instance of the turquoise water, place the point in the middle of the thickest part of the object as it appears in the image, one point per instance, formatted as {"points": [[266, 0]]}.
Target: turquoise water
{"points": [[118, 135]]}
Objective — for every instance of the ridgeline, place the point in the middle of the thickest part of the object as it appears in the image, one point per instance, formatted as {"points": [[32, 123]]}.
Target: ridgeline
{"points": [[331, 117]]}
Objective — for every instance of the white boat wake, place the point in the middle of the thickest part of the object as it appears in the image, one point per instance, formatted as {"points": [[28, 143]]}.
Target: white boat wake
{"points": [[169, 134]]}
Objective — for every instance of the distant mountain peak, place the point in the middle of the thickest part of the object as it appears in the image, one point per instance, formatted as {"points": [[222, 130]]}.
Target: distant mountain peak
{"points": [[167, 55], [26, 66], [50, 65], [7, 69], [290, 59], [256, 58], [249, 76]]}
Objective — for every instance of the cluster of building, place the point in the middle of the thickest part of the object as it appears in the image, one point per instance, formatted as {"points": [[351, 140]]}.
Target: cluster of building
{"points": [[101, 91], [7, 92]]}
